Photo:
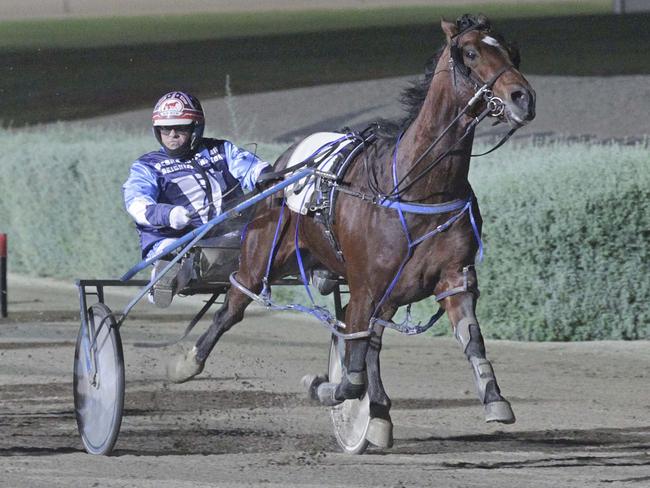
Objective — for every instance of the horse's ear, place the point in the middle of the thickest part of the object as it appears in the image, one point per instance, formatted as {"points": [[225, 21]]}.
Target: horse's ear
{"points": [[483, 23], [449, 28]]}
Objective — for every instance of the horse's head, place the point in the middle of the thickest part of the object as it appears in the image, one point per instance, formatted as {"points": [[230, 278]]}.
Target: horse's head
{"points": [[481, 59]]}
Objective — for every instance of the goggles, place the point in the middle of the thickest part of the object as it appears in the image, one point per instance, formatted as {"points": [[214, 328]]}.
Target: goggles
{"points": [[167, 129]]}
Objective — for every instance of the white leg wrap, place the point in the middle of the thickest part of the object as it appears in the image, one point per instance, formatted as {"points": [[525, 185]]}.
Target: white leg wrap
{"points": [[326, 393], [499, 412], [461, 331], [483, 374], [184, 367]]}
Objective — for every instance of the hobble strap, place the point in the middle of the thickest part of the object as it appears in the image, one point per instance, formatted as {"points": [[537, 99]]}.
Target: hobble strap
{"points": [[323, 315]]}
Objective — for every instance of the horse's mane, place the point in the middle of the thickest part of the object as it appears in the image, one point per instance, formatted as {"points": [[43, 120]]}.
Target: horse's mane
{"points": [[411, 98]]}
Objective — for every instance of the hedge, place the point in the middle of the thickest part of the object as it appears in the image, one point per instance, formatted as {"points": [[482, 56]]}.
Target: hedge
{"points": [[565, 229]]}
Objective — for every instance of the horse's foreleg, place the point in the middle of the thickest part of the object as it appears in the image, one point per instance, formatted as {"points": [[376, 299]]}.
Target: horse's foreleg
{"points": [[380, 429], [353, 380], [461, 311], [360, 375], [379, 401]]}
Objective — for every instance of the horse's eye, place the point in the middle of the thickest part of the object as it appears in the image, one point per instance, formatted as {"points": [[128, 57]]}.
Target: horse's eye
{"points": [[470, 54]]}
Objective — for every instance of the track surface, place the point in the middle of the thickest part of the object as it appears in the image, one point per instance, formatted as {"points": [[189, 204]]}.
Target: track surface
{"points": [[565, 109], [582, 409]]}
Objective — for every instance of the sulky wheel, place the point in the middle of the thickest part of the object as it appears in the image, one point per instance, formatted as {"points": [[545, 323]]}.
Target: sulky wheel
{"points": [[352, 417], [99, 381]]}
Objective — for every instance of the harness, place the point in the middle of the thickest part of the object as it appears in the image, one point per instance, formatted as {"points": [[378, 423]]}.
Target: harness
{"points": [[329, 185], [327, 190]]}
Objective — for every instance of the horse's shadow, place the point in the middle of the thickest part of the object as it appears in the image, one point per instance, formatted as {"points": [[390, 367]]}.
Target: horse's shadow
{"points": [[594, 440], [547, 448]]}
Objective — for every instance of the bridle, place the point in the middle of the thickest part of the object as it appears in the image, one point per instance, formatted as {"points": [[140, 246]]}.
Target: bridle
{"points": [[494, 107]]}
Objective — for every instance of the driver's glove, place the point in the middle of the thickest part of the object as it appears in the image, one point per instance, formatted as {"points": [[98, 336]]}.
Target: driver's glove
{"points": [[178, 217]]}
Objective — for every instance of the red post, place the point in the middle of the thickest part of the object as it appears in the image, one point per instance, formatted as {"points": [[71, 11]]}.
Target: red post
{"points": [[3, 274]]}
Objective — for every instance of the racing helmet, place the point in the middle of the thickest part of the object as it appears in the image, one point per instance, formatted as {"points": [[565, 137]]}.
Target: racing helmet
{"points": [[179, 108]]}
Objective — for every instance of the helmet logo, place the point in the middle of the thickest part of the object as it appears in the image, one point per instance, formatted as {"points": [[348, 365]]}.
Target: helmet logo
{"points": [[171, 107], [178, 108]]}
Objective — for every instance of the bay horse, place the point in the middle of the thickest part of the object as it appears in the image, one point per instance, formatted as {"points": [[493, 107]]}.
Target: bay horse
{"points": [[386, 260]]}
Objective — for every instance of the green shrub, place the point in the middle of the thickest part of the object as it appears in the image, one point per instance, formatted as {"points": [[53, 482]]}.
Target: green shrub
{"points": [[566, 230], [565, 227]]}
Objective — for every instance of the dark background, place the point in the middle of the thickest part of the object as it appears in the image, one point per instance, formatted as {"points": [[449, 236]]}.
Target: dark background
{"points": [[63, 84]]}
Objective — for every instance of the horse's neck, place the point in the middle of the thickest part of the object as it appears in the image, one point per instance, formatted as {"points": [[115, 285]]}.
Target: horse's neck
{"points": [[448, 179]]}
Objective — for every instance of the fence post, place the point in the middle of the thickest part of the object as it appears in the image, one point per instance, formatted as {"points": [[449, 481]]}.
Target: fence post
{"points": [[3, 274]]}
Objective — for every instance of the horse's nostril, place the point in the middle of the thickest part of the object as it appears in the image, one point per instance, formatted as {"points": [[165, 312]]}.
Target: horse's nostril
{"points": [[521, 98]]}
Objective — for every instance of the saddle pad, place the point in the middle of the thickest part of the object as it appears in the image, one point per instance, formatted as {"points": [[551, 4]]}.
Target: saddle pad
{"points": [[300, 195]]}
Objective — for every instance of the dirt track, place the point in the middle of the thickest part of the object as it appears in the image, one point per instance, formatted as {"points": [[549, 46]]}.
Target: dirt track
{"points": [[582, 409]]}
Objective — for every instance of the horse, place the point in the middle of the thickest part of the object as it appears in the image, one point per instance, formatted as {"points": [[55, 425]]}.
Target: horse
{"points": [[407, 226]]}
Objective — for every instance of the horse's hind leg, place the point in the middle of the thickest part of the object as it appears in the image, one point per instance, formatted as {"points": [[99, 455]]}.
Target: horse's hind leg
{"points": [[250, 274], [360, 375], [190, 364], [461, 311]]}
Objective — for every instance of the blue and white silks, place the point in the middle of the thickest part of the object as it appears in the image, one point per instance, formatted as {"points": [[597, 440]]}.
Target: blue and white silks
{"points": [[158, 183]]}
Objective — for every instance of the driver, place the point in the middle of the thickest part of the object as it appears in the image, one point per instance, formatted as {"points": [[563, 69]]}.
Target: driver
{"points": [[182, 185]]}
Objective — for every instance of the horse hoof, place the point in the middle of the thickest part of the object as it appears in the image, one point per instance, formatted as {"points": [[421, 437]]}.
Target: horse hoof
{"points": [[326, 394], [380, 433], [324, 280], [499, 411], [311, 382], [184, 367]]}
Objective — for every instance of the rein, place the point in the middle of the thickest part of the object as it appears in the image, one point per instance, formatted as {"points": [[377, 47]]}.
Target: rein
{"points": [[494, 107]]}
